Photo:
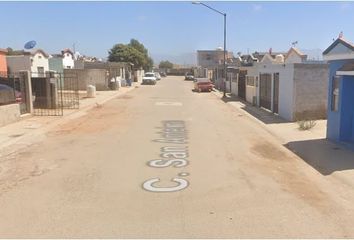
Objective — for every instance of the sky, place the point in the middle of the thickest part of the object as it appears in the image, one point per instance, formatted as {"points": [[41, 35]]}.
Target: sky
{"points": [[174, 30]]}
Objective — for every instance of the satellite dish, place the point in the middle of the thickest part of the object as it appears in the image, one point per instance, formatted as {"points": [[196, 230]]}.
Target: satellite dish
{"points": [[30, 44]]}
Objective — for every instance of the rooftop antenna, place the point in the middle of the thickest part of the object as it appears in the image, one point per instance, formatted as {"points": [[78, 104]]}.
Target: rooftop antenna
{"points": [[294, 44], [340, 34]]}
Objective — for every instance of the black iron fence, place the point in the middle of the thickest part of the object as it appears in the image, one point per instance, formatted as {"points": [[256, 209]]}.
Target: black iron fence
{"points": [[54, 92]]}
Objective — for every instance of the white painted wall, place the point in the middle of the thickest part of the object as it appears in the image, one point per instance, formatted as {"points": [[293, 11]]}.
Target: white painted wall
{"points": [[251, 91], [39, 60], [68, 61], [286, 86]]}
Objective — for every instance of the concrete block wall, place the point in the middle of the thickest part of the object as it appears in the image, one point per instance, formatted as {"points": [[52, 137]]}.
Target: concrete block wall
{"points": [[310, 91], [95, 77], [9, 114]]}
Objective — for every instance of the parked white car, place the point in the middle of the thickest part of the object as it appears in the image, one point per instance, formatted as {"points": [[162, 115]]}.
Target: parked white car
{"points": [[149, 78]]}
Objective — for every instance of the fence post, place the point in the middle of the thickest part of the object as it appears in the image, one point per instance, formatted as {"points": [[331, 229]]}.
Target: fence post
{"points": [[26, 75]]}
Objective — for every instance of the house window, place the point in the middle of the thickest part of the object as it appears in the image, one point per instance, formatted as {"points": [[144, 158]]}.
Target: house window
{"points": [[39, 56], [40, 71], [250, 81], [335, 93]]}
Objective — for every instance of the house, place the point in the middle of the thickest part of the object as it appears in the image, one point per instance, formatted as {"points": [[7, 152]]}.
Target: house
{"points": [[39, 62], [294, 90], [3, 62], [340, 123], [68, 58], [35, 61], [295, 56], [59, 62], [18, 60], [211, 58]]}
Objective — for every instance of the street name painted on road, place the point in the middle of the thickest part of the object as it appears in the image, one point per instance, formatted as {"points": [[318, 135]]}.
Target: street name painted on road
{"points": [[173, 132]]}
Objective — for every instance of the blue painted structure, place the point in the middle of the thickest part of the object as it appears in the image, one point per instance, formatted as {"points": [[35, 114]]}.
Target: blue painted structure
{"points": [[340, 123]]}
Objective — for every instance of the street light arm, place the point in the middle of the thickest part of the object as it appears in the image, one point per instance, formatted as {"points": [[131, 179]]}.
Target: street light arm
{"points": [[224, 14]]}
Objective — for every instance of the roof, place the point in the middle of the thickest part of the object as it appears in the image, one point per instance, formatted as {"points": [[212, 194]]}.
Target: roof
{"points": [[3, 50], [67, 50], [34, 52], [297, 51], [18, 53], [336, 42]]}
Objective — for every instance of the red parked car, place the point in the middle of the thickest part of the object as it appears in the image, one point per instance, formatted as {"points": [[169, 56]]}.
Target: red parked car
{"points": [[204, 86]]}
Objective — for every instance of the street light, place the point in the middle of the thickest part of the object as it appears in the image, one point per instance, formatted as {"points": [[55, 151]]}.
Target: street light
{"points": [[224, 14]]}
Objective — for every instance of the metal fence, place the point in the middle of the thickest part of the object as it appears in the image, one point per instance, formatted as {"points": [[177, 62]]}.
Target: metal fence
{"points": [[54, 92], [13, 90]]}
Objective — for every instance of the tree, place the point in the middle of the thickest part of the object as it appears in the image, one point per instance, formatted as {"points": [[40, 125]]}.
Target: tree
{"points": [[166, 64], [134, 52], [138, 46]]}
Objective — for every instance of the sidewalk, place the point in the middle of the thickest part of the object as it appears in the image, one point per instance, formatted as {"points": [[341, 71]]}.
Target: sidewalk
{"points": [[311, 145], [31, 129]]}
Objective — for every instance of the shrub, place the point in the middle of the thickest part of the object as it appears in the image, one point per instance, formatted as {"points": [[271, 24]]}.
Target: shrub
{"points": [[306, 124]]}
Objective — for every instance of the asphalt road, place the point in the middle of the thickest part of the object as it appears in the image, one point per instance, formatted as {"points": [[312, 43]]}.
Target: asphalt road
{"points": [[165, 162]]}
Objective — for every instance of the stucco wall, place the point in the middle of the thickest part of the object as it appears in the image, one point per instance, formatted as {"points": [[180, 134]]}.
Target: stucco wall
{"points": [[333, 121], [95, 77], [56, 64], [251, 91], [18, 63], [310, 91], [286, 85], [39, 60], [9, 114]]}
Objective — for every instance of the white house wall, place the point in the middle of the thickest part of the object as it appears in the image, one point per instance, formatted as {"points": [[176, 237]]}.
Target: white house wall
{"points": [[251, 91], [39, 60], [286, 87], [68, 60]]}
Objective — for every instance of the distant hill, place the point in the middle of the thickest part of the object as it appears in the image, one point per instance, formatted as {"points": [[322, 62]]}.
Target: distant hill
{"points": [[181, 59]]}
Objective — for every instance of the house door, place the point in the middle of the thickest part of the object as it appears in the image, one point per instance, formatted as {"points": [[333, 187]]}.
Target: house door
{"points": [[242, 84], [276, 93], [265, 84]]}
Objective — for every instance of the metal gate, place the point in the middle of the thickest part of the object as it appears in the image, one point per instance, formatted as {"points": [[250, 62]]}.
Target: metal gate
{"points": [[265, 83], [242, 84], [54, 92]]}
